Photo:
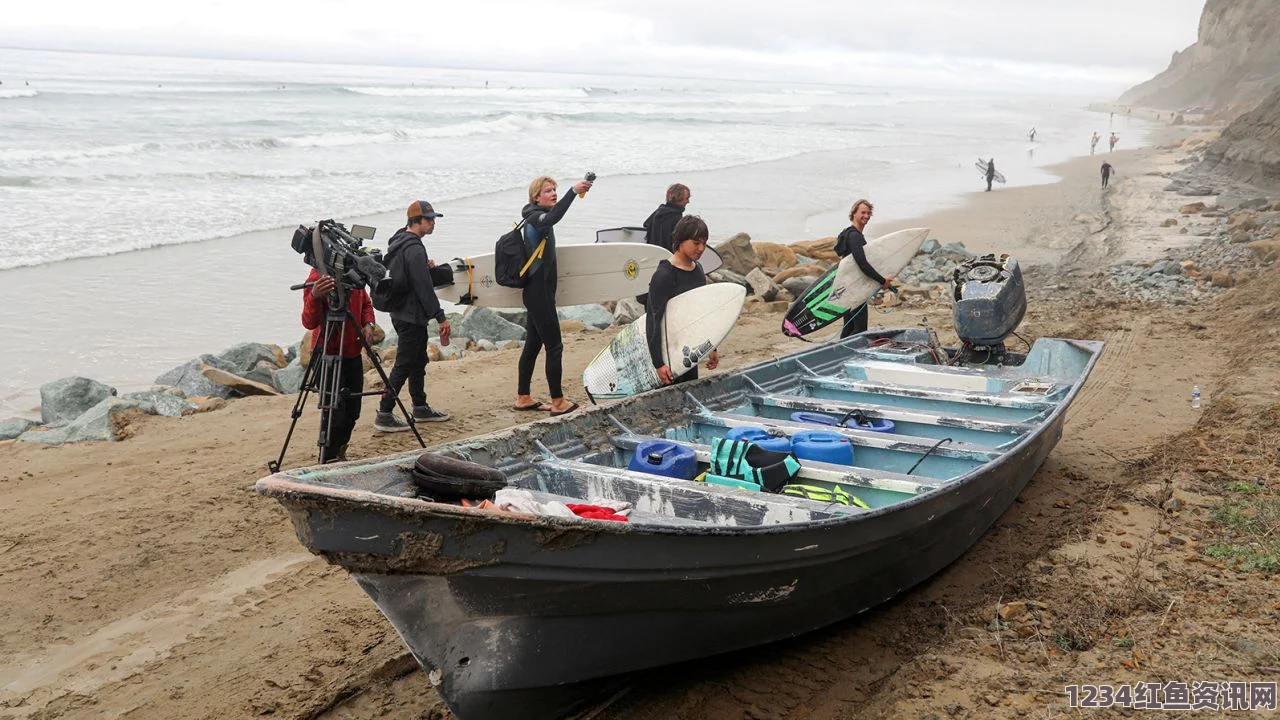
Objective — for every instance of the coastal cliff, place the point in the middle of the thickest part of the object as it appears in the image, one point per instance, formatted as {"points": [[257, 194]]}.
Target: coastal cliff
{"points": [[1249, 148], [1232, 66]]}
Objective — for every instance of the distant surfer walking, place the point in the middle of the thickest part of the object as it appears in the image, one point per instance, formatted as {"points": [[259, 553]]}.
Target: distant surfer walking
{"points": [[1106, 173], [673, 277], [1032, 135], [542, 326], [851, 241], [1093, 144], [991, 173], [661, 223], [1113, 140]]}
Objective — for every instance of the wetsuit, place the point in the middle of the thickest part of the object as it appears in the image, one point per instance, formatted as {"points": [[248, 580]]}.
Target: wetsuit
{"points": [[658, 229], [667, 282], [851, 241], [991, 174], [1106, 174], [542, 325]]}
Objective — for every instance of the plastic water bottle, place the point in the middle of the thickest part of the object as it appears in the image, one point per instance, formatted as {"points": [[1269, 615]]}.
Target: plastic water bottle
{"points": [[1195, 397]]}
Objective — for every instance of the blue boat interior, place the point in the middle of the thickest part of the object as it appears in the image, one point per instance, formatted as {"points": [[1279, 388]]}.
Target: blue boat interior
{"points": [[874, 421]]}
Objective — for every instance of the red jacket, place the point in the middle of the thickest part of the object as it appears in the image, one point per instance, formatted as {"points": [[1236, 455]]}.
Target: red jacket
{"points": [[313, 315]]}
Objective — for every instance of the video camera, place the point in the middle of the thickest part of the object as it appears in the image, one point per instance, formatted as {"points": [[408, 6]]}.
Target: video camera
{"points": [[333, 250]]}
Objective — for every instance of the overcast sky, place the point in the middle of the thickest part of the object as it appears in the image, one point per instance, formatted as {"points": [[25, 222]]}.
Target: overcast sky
{"points": [[1129, 39]]}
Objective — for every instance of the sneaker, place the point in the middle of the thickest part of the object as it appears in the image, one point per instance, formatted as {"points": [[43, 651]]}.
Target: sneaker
{"points": [[426, 413], [389, 423]]}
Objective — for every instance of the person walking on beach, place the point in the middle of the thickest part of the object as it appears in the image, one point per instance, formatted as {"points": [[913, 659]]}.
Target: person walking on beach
{"points": [[991, 172], [1032, 135], [1106, 173], [1113, 139], [542, 325], [680, 274], [661, 222], [407, 260], [346, 407], [851, 241], [1093, 144]]}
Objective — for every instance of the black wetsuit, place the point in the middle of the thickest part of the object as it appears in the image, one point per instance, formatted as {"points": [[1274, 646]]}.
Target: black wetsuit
{"points": [[851, 241], [542, 325], [1106, 174], [991, 174], [667, 282]]}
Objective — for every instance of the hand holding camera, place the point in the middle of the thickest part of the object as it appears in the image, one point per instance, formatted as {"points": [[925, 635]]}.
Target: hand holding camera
{"points": [[583, 185]]}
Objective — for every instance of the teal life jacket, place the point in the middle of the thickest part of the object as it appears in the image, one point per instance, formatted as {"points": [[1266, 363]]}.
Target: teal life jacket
{"points": [[744, 460]]}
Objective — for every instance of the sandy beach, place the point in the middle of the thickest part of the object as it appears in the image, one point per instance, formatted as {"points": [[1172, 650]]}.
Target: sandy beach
{"points": [[146, 579]]}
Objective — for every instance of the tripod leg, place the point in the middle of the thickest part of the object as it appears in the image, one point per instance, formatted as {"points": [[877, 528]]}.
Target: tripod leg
{"points": [[386, 382], [308, 378]]}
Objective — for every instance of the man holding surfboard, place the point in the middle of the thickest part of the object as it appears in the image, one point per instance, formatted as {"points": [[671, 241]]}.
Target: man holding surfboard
{"points": [[673, 277], [542, 325], [851, 241]]}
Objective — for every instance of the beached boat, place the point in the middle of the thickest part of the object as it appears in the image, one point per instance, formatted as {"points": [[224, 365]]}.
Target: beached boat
{"points": [[524, 616]]}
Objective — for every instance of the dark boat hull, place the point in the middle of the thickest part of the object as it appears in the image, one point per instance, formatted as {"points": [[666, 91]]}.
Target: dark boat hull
{"points": [[530, 618]]}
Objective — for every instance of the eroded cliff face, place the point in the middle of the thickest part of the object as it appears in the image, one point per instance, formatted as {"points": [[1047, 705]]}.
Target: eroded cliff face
{"points": [[1234, 63], [1249, 148]]}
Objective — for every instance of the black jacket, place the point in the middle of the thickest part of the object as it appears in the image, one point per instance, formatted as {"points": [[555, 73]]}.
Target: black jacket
{"points": [[661, 223], [667, 282], [851, 241], [407, 256]]}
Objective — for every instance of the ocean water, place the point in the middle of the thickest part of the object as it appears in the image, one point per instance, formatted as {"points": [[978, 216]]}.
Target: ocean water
{"points": [[146, 203]]}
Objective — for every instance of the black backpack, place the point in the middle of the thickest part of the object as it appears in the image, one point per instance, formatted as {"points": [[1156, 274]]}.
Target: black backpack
{"points": [[512, 259], [392, 292]]}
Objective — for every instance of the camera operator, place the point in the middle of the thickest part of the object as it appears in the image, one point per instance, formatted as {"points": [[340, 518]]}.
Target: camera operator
{"points": [[408, 263], [346, 409]]}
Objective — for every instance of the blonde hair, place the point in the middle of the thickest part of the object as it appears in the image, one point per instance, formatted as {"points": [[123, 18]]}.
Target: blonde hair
{"points": [[535, 187], [856, 203]]}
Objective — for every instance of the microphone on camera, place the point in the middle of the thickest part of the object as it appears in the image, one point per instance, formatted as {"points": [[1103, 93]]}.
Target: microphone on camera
{"points": [[589, 177]]}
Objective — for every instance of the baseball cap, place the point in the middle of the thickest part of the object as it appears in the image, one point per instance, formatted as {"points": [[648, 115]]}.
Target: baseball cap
{"points": [[423, 208]]}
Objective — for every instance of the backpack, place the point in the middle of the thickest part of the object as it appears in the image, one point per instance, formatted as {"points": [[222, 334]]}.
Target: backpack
{"points": [[512, 259], [392, 292]]}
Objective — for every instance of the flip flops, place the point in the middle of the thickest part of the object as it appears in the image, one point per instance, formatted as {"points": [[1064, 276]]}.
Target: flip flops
{"points": [[538, 406], [566, 411]]}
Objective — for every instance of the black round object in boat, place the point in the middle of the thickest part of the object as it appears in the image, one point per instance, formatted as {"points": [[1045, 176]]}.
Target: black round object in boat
{"points": [[450, 478]]}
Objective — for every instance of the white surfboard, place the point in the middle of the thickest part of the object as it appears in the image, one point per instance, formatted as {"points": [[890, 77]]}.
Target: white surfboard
{"points": [[845, 286], [696, 322], [710, 260], [982, 170], [588, 274]]}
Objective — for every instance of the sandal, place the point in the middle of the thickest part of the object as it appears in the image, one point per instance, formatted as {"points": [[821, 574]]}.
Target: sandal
{"points": [[540, 406], [566, 411]]}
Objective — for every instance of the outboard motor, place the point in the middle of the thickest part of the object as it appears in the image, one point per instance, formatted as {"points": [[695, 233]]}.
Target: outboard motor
{"points": [[988, 303]]}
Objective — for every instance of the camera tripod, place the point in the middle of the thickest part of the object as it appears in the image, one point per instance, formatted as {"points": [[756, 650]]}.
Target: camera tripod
{"points": [[324, 374]]}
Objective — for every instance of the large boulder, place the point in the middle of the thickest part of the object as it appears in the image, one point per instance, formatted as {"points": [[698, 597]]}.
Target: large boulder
{"points": [[512, 315], [13, 427], [188, 378], [161, 403], [729, 276], [823, 249], [626, 311], [289, 378], [797, 285], [800, 271], [762, 285], [593, 316], [64, 400], [738, 254], [246, 356], [482, 323], [775, 256], [108, 420]]}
